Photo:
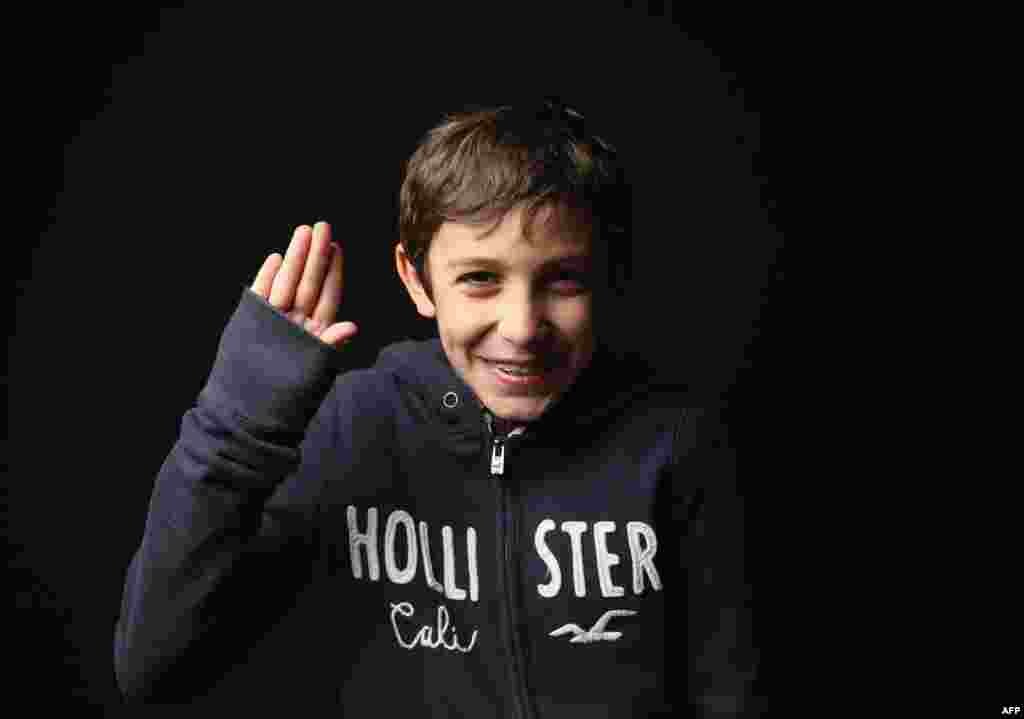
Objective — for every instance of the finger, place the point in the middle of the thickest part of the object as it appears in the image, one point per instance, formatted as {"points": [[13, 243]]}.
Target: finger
{"points": [[339, 334], [265, 277], [282, 292], [330, 294], [317, 262], [313, 326]]}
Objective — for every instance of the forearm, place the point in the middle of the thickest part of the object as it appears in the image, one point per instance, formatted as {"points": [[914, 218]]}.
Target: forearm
{"points": [[209, 506]]}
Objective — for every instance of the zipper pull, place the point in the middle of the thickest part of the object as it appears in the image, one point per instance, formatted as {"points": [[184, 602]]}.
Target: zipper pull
{"points": [[498, 456], [498, 444], [497, 447]]}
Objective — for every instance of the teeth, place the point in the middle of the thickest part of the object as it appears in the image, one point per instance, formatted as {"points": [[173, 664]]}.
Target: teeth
{"points": [[516, 370]]}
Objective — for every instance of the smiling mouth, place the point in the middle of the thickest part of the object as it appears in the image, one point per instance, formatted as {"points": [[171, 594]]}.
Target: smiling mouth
{"points": [[518, 369]]}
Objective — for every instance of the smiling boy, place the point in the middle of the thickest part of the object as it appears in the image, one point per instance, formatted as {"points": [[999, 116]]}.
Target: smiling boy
{"points": [[512, 519]]}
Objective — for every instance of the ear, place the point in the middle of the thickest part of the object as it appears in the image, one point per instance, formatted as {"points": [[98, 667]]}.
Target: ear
{"points": [[411, 280]]}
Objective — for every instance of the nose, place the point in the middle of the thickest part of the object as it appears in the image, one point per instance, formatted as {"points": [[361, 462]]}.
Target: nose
{"points": [[524, 320]]}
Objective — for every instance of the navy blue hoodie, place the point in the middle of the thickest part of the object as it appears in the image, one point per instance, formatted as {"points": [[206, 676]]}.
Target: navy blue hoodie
{"points": [[588, 566]]}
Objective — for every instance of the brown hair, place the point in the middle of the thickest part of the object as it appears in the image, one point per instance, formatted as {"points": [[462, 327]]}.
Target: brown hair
{"points": [[476, 165]]}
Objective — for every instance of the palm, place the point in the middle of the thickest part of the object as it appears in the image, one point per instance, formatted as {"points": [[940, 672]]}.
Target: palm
{"points": [[306, 284]]}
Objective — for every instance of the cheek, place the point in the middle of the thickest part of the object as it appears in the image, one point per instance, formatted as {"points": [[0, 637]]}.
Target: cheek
{"points": [[574, 318], [460, 324]]}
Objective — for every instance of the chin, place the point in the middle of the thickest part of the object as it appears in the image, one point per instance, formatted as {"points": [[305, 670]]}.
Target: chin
{"points": [[519, 409]]}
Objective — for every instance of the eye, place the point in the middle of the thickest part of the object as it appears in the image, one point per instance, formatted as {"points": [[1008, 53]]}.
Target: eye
{"points": [[477, 278], [570, 281]]}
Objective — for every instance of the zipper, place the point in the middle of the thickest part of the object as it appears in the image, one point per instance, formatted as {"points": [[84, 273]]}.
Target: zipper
{"points": [[507, 534], [498, 445]]}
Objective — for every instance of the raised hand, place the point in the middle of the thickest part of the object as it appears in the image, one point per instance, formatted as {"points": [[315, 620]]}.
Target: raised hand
{"points": [[306, 284]]}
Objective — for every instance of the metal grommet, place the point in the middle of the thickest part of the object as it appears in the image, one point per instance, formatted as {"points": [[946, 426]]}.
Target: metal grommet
{"points": [[450, 400]]}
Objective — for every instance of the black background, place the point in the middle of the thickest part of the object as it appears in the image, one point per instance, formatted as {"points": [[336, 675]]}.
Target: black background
{"points": [[164, 153]]}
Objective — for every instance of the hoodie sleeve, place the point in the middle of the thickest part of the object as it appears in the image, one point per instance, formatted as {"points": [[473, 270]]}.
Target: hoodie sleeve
{"points": [[236, 496], [720, 657]]}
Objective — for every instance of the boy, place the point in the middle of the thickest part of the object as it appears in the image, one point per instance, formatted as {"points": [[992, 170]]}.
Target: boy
{"points": [[512, 519]]}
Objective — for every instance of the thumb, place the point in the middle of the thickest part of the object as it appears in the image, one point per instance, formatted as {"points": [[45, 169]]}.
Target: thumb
{"points": [[338, 334]]}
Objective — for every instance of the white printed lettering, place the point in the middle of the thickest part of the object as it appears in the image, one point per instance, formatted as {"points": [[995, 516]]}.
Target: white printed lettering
{"points": [[401, 564], [448, 545], [367, 539], [396, 575], [431, 637], [642, 558], [643, 546], [551, 588], [474, 578], [428, 567], [605, 560], [575, 531]]}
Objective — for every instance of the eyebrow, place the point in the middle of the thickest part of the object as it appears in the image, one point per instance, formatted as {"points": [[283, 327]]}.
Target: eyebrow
{"points": [[490, 262]]}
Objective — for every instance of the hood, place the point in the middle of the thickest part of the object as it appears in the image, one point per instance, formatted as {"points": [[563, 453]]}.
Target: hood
{"points": [[609, 386]]}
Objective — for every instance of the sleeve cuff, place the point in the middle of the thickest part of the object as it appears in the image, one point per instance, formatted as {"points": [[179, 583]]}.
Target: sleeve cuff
{"points": [[269, 369]]}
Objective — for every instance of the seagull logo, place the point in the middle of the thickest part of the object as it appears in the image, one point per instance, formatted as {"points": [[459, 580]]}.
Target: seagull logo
{"points": [[597, 632]]}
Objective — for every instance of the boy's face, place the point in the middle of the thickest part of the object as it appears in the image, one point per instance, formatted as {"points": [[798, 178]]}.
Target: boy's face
{"points": [[502, 299]]}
